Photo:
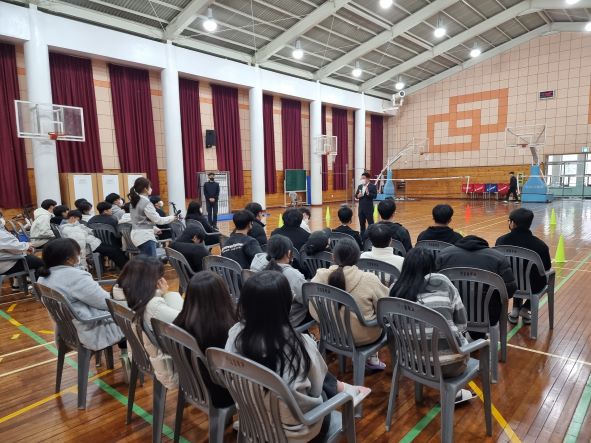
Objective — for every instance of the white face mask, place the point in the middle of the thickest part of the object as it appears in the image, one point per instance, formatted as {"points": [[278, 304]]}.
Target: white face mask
{"points": [[363, 181]]}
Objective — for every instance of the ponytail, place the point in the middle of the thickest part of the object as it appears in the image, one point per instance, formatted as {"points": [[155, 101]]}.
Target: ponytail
{"points": [[272, 265], [337, 278], [44, 272], [139, 186], [345, 253], [278, 247]]}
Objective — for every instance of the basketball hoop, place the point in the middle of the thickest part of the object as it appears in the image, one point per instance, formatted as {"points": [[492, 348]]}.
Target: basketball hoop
{"points": [[54, 135], [524, 145]]}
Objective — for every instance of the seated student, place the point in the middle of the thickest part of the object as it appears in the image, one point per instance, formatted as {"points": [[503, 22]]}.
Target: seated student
{"points": [[265, 335], [82, 234], [317, 242], [419, 283], [441, 231], [195, 212], [306, 216], [105, 217], [292, 219], [165, 232], [143, 286], [258, 227], [279, 257], [41, 231], [387, 209], [473, 252], [380, 236], [208, 319], [190, 244], [61, 273], [520, 221], [365, 288], [345, 217], [85, 207], [240, 247], [117, 202], [11, 248], [59, 215]]}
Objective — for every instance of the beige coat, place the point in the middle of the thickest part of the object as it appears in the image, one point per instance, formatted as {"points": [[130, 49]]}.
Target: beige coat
{"points": [[366, 289]]}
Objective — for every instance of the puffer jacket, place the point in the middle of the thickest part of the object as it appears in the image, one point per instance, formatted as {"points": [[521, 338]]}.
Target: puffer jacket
{"points": [[81, 234], [41, 231]]}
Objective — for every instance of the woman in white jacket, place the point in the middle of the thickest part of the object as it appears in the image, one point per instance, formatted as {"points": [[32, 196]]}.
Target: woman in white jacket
{"points": [[61, 273], [143, 286]]}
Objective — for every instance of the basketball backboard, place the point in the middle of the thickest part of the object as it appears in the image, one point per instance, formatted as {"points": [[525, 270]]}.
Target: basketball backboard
{"points": [[49, 121], [525, 136]]}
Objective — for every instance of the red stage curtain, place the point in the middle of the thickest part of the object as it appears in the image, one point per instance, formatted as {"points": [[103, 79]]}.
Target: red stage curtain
{"points": [[134, 123], [193, 156], [377, 143], [269, 133], [324, 157], [14, 185], [291, 131], [72, 85], [340, 129], [226, 120]]}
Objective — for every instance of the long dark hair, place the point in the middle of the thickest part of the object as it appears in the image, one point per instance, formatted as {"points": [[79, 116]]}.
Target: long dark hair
{"points": [[345, 253], [138, 281], [418, 263], [194, 208], [139, 186], [208, 311], [267, 336], [277, 248], [57, 252]]}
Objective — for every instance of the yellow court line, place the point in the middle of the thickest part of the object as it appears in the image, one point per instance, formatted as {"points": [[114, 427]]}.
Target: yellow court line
{"points": [[71, 389], [574, 360], [27, 349], [11, 307], [497, 415], [46, 331], [15, 336]]}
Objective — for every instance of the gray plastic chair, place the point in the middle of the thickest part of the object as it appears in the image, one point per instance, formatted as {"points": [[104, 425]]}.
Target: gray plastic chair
{"points": [[140, 364], [176, 229], [414, 333], [387, 273], [314, 262], [229, 270], [398, 247], [246, 274], [522, 262], [107, 234], [187, 356], [21, 275], [55, 230], [63, 315], [260, 395], [476, 288], [435, 246], [182, 268], [128, 247], [335, 237], [367, 245], [334, 308]]}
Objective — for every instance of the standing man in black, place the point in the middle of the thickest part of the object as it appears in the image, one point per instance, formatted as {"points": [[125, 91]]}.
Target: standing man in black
{"points": [[211, 190], [366, 193], [512, 186]]}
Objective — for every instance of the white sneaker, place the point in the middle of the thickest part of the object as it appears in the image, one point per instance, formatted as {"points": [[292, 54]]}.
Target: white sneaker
{"points": [[525, 315], [514, 316]]}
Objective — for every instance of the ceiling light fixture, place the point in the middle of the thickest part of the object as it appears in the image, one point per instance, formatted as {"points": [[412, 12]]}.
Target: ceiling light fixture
{"points": [[588, 27], [298, 52], [572, 2], [357, 71], [399, 84], [475, 52], [385, 4], [440, 30], [210, 25]]}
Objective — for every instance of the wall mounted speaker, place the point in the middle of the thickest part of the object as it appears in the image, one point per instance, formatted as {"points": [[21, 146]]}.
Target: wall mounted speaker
{"points": [[209, 138]]}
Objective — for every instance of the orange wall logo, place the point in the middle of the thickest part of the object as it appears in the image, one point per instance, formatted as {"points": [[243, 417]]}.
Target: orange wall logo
{"points": [[456, 119]]}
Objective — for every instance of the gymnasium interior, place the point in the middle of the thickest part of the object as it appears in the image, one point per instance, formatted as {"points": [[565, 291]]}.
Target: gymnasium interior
{"points": [[482, 105]]}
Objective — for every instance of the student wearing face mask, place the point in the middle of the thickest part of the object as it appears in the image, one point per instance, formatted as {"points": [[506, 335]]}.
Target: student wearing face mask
{"points": [[211, 190], [366, 193], [11, 250], [61, 259]]}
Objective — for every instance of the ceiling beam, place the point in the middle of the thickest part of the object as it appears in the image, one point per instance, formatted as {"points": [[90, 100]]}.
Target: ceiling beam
{"points": [[185, 18], [322, 12], [384, 37], [538, 32]]}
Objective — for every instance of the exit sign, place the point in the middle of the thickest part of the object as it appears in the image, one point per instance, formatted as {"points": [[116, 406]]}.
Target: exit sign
{"points": [[585, 149], [545, 95]]}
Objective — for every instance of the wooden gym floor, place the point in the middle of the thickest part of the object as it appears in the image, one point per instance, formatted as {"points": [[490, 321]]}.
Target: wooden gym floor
{"points": [[543, 394]]}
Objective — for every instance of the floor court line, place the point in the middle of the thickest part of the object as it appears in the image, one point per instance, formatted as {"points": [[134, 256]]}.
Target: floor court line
{"points": [[71, 389], [424, 422], [562, 357], [147, 417], [26, 349]]}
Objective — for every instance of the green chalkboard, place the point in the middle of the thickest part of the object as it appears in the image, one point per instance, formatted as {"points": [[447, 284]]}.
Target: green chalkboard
{"points": [[295, 180]]}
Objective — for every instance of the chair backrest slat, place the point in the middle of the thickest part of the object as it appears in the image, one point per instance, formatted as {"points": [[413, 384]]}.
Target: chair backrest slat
{"points": [[125, 231], [134, 334], [387, 273], [55, 230], [107, 234], [435, 246], [176, 229], [314, 262], [335, 237], [182, 268], [60, 310], [229, 270], [398, 247], [522, 262]]}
